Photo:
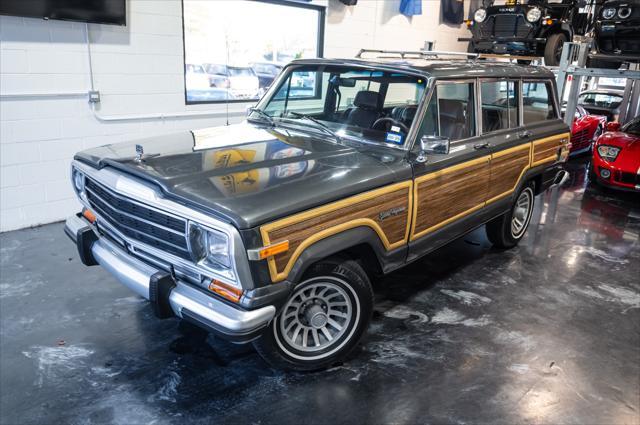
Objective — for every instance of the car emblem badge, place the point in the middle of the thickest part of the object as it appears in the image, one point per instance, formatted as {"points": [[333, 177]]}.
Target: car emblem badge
{"points": [[391, 212], [139, 153]]}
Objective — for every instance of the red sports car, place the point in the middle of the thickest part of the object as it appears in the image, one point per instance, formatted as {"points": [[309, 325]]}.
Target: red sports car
{"points": [[585, 130], [616, 156]]}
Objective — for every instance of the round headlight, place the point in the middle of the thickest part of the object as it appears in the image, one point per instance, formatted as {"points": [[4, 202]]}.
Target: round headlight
{"points": [[78, 181], [534, 14], [608, 13], [624, 12], [480, 15]]}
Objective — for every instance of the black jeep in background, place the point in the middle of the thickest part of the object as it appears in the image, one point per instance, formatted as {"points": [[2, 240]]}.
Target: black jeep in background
{"points": [[617, 33], [533, 28]]}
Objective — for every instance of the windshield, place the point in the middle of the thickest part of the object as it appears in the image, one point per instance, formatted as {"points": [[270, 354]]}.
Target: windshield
{"points": [[371, 105], [602, 100]]}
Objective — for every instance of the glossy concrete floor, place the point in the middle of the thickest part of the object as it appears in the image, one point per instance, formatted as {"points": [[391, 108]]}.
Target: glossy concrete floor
{"points": [[548, 332]]}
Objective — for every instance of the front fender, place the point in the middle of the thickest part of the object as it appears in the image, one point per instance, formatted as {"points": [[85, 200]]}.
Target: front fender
{"points": [[335, 244]]}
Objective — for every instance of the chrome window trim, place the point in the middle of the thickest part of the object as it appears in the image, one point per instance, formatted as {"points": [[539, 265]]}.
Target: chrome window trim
{"points": [[147, 196]]}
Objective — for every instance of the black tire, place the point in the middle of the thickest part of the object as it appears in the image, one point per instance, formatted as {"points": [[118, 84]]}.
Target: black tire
{"points": [[553, 49], [345, 280], [501, 231]]}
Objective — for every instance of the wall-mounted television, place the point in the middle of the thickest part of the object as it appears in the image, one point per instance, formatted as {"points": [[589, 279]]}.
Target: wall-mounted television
{"points": [[95, 11]]}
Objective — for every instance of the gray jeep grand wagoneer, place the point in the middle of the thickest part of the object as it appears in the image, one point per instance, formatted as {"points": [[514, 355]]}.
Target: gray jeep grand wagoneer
{"points": [[269, 231]]}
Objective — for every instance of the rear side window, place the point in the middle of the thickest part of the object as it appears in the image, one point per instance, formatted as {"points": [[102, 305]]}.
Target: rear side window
{"points": [[537, 102], [451, 112], [499, 105]]}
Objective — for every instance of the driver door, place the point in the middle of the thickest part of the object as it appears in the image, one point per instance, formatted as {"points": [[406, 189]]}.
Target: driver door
{"points": [[449, 188]]}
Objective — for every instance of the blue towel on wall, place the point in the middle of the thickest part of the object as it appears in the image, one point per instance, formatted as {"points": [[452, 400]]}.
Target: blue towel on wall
{"points": [[411, 7]]}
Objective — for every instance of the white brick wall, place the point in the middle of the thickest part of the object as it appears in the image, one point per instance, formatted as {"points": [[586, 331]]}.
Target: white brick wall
{"points": [[138, 69]]}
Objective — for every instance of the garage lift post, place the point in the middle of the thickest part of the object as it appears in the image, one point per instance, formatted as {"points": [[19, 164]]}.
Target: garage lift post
{"points": [[573, 63]]}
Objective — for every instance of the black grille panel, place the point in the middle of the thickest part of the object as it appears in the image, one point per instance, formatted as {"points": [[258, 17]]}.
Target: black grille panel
{"points": [[628, 178], [146, 225], [505, 25]]}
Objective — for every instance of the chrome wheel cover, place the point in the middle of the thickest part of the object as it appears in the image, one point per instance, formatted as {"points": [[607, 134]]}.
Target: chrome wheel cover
{"points": [[315, 319], [521, 213]]}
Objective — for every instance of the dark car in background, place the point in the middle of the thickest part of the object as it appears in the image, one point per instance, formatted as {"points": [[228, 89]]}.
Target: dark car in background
{"points": [[240, 81], [617, 33], [534, 28], [602, 102], [266, 73]]}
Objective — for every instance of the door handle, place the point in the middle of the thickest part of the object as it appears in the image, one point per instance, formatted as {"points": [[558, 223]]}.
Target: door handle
{"points": [[482, 146], [524, 134]]}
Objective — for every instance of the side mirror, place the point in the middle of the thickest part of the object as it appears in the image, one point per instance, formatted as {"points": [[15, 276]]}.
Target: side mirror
{"points": [[613, 126], [433, 145]]}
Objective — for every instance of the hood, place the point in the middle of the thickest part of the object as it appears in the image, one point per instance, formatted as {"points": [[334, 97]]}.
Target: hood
{"points": [[627, 141], [248, 175]]}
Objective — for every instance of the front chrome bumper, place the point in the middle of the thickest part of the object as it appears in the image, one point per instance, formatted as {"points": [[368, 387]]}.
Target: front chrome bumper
{"points": [[185, 301]]}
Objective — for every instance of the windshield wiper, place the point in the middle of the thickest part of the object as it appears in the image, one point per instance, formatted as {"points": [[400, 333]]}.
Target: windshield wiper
{"points": [[320, 124], [264, 115]]}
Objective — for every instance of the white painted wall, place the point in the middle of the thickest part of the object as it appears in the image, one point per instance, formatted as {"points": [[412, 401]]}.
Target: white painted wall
{"points": [[138, 69]]}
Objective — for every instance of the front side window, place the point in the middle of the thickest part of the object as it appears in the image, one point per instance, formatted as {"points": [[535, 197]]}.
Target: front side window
{"points": [[451, 112], [499, 105], [373, 105], [537, 102]]}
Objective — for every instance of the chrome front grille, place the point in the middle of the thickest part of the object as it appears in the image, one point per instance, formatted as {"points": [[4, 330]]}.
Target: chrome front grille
{"points": [[137, 221]]}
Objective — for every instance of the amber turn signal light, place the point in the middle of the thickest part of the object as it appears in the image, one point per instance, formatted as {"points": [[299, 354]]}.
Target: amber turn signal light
{"points": [[271, 250], [225, 290], [89, 215], [258, 254]]}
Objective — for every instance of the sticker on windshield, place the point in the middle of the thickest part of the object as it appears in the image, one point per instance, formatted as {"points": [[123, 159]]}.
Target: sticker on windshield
{"points": [[393, 138]]}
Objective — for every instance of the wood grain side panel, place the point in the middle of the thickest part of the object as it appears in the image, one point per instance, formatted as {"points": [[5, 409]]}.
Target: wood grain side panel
{"points": [[506, 170], [545, 150], [443, 196], [306, 228]]}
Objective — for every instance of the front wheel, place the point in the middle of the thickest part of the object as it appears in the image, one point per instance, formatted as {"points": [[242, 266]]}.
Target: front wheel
{"points": [[507, 230], [553, 49], [323, 320]]}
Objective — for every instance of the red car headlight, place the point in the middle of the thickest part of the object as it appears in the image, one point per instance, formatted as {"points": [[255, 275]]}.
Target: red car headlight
{"points": [[608, 153]]}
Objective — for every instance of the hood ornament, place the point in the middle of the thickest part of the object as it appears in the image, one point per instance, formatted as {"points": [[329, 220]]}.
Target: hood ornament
{"points": [[139, 153]]}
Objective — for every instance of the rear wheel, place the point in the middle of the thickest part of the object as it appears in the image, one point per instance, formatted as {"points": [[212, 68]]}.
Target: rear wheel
{"points": [[507, 230], [323, 320], [553, 49]]}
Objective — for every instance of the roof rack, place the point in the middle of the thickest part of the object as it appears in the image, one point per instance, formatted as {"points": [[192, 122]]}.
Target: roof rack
{"points": [[416, 54], [436, 54]]}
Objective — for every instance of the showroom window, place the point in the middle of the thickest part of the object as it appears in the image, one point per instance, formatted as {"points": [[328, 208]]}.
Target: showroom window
{"points": [[499, 105], [537, 102], [452, 107], [234, 50]]}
